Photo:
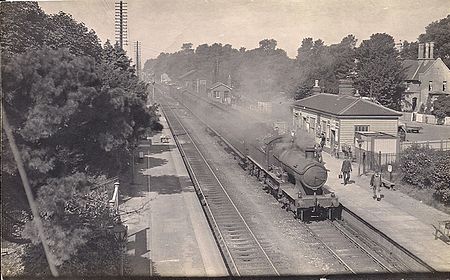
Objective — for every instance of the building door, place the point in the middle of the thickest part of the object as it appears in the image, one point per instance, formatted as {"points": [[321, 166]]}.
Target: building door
{"points": [[332, 138], [414, 103]]}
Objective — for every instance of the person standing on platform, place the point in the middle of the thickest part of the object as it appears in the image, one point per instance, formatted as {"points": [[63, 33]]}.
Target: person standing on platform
{"points": [[318, 150], [375, 183], [322, 140], [346, 169]]}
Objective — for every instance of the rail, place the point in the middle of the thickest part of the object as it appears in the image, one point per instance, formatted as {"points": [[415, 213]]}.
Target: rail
{"points": [[405, 257], [223, 213]]}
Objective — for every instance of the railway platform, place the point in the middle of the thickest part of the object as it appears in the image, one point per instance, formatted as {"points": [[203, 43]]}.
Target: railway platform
{"points": [[402, 218], [168, 234]]}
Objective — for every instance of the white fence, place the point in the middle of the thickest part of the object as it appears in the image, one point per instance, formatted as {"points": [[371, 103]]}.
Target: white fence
{"points": [[424, 118], [442, 145]]}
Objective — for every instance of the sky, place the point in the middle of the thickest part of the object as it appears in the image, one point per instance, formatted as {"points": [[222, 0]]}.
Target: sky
{"points": [[164, 25]]}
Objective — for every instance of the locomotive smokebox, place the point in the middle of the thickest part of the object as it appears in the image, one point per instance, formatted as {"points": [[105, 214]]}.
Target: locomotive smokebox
{"points": [[306, 170]]}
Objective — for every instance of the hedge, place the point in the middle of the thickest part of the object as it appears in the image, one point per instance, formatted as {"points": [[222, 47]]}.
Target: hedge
{"points": [[427, 169]]}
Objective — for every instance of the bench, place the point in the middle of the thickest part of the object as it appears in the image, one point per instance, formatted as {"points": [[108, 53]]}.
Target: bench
{"points": [[387, 184], [442, 231], [165, 139]]}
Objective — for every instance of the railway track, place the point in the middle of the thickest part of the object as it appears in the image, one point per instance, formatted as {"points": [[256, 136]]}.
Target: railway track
{"points": [[355, 251], [242, 251], [347, 250]]}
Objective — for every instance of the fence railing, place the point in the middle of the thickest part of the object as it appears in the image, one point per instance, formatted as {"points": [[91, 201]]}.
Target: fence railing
{"points": [[442, 145], [376, 161]]}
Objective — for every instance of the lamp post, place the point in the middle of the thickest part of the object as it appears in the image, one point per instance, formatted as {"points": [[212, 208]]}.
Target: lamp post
{"points": [[120, 234], [360, 141]]}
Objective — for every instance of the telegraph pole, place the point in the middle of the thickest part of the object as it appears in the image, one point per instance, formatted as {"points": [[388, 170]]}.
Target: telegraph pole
{"points": [[137, 51], [120, 23]]}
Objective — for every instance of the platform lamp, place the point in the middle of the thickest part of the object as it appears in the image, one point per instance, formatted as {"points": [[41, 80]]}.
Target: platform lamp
{"points": [[120, 234], [360, 141]]}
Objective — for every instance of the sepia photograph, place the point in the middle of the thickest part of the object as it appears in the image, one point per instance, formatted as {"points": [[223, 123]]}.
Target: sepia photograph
{"points": [[219, 139]]}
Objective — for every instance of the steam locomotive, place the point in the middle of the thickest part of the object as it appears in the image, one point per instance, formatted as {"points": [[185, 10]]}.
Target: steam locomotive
{"points": [[297, 180]]}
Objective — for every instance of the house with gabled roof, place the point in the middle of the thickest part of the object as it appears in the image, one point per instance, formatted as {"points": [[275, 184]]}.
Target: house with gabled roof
{"points": [[341, 116], [222, 93], [426, 79], [196, 81]]}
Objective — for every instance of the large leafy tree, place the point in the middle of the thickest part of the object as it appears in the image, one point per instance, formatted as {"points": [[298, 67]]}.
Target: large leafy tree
{"points": [[74, 120], [439, 33], [328, 64], [380, 74], [409, 50], [25, 26], [441, 107], [75, 110]]}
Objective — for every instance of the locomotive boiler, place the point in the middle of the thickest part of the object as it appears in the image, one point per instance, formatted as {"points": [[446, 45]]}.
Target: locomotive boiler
{"points": [[298, 180]]}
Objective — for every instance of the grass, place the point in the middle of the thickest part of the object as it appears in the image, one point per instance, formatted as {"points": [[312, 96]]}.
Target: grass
{"points": [[423, 195]]}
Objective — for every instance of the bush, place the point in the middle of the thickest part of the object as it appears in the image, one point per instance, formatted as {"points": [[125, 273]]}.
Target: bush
{"points": [[417, 166], [427, 168], [441, 177]]}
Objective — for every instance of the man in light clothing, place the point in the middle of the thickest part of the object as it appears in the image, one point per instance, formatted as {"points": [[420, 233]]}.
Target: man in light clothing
{"points": [[375, 183]]}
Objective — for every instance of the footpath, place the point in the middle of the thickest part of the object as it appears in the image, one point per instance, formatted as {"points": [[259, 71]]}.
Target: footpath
{"points": [[402, 218], [168, 234]]}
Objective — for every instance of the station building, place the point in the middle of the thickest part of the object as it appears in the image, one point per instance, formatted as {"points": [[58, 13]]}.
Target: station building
{"points": [[344, 118]]}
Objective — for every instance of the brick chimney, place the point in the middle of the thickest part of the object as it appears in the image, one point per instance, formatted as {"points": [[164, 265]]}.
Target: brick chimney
{"points": [[346, 87], [431, 50], [316, 87], [427, 50], [421, 51]]}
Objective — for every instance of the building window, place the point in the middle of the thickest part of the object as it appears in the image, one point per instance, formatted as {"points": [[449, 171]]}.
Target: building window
{"points": [[361, 128], [216, 94], [324, 125], [444, 85], [203, 82], [312, 125], [430, 85]]}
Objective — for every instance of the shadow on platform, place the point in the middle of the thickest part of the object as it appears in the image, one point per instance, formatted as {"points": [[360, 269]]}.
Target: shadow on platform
{"points": [[166, 184]]}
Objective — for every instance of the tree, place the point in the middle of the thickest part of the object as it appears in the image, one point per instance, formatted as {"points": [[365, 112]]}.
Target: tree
{"points": [[409, 50], [71, 115], [439, 33], [186, 47], [76, 110], [74, 215], [268, 44], [25, 26], [441, 107], [380, 74], [328, 64]]}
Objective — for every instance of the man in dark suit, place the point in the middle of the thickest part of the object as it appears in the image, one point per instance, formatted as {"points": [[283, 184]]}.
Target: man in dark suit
{"points": [[322, 140], [346, 169]]}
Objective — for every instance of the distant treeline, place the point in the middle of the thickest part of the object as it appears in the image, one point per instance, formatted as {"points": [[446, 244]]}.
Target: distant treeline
{"points": [[374, 66]]}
